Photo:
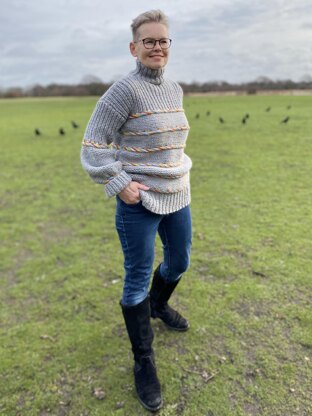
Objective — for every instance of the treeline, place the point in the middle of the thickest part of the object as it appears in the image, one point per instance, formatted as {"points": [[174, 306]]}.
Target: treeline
{"points": [[246, 88], [98, 88], [56, 90]]}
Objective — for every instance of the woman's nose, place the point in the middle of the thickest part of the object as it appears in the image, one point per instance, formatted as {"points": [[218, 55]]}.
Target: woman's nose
{"points": [[157, 45]]}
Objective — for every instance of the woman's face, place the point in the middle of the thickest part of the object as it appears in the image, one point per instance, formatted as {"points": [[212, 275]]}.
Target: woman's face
{"points": [[152, 58]]}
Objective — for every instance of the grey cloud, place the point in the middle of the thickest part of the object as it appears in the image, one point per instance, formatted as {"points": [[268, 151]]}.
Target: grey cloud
{"points": [[307, 26], [236, 40]]}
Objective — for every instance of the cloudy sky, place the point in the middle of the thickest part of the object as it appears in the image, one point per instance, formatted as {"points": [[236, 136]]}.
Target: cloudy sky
{"points": [[45, 41]]}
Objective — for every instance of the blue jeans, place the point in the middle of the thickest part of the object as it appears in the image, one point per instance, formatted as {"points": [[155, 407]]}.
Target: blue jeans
{"points": [[137, 228]]}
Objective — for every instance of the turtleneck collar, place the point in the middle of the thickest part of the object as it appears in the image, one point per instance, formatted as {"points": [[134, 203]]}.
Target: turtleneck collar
{"points": [[154, 76]]}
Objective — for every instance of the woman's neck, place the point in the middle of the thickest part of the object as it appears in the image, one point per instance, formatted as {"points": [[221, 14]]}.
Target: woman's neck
{"points": [[154, 76]]}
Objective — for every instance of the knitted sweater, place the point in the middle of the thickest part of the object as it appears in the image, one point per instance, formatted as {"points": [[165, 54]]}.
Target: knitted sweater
{"points": [[137, 132]]}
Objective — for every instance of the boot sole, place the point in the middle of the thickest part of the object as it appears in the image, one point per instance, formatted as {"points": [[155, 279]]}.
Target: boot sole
{"points": [[172, 328], [151, 409]]}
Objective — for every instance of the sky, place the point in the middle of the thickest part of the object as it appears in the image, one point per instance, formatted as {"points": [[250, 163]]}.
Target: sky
{"points": [[62, 41]]}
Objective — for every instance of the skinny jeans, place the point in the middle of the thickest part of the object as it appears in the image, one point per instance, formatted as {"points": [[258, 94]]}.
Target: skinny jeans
{"points": [[137, 228]]}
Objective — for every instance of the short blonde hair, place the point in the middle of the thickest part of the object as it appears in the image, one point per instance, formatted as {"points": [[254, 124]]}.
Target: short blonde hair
{"points": [[152, 16]]}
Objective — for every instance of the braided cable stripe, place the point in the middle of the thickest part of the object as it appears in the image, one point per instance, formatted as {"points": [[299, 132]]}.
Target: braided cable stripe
{"points": [[149, 133], [176, 176], [149, 112], [161, 165], [167, 190], [97, 145], [151, 149], [130, 149]]}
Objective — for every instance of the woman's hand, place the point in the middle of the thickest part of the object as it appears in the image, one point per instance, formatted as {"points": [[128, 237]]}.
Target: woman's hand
{"points": [[131, 194]]}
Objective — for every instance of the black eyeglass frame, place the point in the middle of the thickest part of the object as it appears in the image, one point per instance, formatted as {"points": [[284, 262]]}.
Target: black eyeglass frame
{"points": [[155, 41]]}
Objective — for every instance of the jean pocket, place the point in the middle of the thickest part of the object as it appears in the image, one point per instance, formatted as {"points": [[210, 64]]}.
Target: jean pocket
{"points": [[131, 205], [127, 205]]}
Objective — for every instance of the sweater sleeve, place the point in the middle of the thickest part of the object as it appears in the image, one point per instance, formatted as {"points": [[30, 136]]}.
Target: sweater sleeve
{"points": [[98, 152]]}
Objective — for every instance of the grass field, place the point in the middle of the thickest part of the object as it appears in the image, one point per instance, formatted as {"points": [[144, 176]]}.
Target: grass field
{"points": [[247, 293]]}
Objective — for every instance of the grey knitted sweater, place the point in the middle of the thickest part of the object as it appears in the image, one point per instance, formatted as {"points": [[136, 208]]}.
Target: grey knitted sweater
{"points": [[137, 132]]}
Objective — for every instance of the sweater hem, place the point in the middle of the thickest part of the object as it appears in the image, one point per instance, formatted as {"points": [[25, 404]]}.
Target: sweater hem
{"points": [[160, 203]]}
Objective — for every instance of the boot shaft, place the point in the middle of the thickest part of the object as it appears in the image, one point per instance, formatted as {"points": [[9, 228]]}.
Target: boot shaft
{"points": [[159, 295], [137, 319], [161, 290]]}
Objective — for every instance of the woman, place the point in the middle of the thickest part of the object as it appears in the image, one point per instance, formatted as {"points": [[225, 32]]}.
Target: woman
{"points": [[134, 145]]}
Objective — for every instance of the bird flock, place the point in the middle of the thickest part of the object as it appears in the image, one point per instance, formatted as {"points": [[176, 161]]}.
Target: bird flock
{"points": [[61, 130], [246, 116], [244, 120]]}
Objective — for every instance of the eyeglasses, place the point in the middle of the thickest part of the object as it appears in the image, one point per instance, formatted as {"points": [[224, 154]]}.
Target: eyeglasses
{"points": [[149, 43]]}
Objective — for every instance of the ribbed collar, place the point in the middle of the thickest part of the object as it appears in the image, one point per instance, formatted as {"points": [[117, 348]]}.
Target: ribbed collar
{"points": [[154, 76]]}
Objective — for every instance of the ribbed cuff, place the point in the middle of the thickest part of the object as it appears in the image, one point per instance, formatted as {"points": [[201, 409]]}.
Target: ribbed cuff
{"points": [[117, 184]]}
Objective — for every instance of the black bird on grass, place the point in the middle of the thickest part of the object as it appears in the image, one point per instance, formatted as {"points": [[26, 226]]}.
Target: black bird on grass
{"points": [[285, 120], [221, 120], [37, 132], [62, 131], [245, 118], [74, 124], [268, 109]]}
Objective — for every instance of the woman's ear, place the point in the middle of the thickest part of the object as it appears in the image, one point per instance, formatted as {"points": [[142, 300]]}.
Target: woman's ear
{"points": [[132, 49]]}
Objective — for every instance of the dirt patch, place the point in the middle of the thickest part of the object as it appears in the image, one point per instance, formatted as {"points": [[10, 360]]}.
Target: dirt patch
{"points": [[54, 232]]}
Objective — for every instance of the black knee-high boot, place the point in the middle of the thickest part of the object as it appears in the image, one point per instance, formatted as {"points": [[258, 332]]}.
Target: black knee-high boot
{"points": [[159, 295], [137, 319]]}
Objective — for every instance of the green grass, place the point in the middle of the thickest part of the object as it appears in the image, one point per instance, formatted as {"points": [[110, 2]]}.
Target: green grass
{"points": [[247, 293]]}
